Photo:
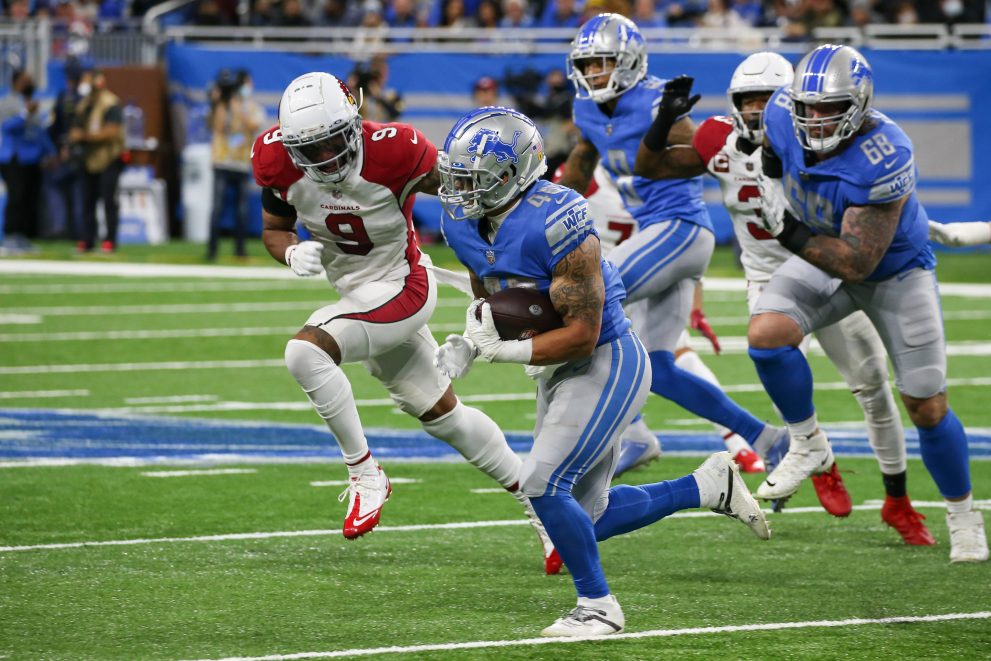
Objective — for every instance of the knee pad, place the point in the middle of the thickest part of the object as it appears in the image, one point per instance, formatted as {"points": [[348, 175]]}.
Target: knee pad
{"points": [[871, 375], [309, 364]]}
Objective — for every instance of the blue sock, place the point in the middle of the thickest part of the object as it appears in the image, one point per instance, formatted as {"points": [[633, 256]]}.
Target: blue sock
{"points": [[570, 528], [632, 508], [787, 379], [944, 452], [700, 397]]}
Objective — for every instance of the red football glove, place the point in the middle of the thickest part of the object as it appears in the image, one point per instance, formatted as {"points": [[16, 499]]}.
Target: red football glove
{"points": [[701, 324]]}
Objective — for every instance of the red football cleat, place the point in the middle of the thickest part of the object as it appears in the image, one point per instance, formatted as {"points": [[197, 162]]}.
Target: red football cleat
{"points": [[900, 515], [552, 563], [368, 492], [749, 461], [832, 493]]}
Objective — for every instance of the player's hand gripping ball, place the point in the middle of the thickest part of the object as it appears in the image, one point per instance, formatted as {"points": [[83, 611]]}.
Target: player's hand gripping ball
{"points": [[520, 313]]}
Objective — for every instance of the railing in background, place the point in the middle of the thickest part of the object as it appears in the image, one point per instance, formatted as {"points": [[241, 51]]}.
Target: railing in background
{"points": [[24, 45]]}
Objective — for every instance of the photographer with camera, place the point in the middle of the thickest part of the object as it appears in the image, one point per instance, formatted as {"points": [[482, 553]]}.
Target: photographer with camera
{"points": [[234, 119], [381, 104], [24, 146]]}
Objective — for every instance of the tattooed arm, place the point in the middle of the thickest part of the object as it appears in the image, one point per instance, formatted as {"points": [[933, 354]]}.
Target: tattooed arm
{"points": [[864, 237], [429, 183], [580, 166], [577, 292]]}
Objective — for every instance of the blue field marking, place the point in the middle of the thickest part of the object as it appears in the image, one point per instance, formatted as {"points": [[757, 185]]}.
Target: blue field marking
{"points": [[73, 435]]}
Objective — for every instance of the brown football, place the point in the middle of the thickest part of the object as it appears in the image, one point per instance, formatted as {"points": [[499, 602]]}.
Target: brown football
{"points": [[520, 313]]}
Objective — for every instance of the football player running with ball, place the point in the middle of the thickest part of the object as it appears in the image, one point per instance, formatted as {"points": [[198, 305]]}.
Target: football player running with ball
{"points": [[351, 183], [511, 229], [729, 149], [838, 190], [615, 105]]}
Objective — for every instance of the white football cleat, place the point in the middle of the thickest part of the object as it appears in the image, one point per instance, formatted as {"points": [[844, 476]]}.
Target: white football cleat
{"points": [[591, 617], [968, 542], [552, 561], [807, 455], [368, 490], [728, 494]]}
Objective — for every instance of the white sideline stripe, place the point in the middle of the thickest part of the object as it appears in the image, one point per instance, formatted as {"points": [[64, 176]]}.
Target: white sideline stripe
{"points": [[463, 525], [654, 633], [468, 399], [487, 490], [137, 367], [208, 471], [32, 394], [171, 399], [143, 287], [16, 319], [344, 483]]}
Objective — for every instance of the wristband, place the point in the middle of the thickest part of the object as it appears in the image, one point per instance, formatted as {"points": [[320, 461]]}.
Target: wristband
{"points": [[288, 256], [770, 164]]}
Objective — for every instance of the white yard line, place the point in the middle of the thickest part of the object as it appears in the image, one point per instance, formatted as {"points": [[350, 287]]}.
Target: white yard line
{"points": [[33, 394], [170, 399], [868, 506], [197, 473], [344, 483], [117, 335], [654, 633]]}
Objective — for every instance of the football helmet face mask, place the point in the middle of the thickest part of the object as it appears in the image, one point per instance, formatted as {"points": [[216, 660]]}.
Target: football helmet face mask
{"points": [[760, 73], [614, 43], [837, 77], [489, 158], [321, 127]]}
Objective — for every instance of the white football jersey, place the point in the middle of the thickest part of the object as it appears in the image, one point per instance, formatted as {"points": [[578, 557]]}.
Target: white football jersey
{"points": [[364, 222], [716, 142]]}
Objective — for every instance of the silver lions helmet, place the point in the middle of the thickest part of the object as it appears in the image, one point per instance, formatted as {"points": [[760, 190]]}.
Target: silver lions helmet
{"points": [[760, 73], [603, 39], [840, 78], [490, 156], [321, 127]]}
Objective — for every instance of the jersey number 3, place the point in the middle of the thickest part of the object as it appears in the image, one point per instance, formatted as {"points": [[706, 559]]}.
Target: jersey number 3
{"points": [[351, 228]]}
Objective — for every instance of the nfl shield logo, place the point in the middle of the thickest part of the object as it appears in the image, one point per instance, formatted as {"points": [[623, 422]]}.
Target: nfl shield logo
{"points": [[750, 167], [490, 256], [338, 194], [608, 129]]}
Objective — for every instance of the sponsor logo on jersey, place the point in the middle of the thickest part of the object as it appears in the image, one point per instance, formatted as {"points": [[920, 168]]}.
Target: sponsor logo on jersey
{"points": [[487, 141]]}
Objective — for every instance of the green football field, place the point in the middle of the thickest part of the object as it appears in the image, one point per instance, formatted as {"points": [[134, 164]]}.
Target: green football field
{"points": [[120, 561]]}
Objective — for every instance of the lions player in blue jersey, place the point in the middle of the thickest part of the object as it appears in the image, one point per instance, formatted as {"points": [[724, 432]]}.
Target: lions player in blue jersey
{"points": [[838, 190], [616, 104], [512, 229]]}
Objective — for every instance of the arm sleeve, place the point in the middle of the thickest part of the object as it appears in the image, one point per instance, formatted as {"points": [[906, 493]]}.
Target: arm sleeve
{"points": [[711, 136], [275, 206]]}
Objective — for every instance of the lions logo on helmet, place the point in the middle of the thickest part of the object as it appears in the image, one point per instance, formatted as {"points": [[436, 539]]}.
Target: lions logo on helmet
{"points": [[479, 170], [830, 75], [607, 39]]}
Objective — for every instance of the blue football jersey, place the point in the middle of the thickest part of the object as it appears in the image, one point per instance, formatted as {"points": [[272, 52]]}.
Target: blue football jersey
{"points": [[617, 139], [548, 223], [877, 167]]}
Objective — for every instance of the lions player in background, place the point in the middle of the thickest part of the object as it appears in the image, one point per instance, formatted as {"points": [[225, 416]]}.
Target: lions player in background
{"points": [[614, 224], [615, 104], [351, 183], [511, 229], [729, 149], [838, 190]]}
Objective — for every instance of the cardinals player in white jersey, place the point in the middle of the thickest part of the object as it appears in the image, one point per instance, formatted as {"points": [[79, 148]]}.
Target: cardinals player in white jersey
{"points": [[728, 148], [614, 225], [352, 183]]}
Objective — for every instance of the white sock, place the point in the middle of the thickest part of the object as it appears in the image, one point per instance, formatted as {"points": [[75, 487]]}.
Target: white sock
{"points": [[330, 393], [960, 506], [735, 444], [884, 428], [805, 427], [479, 440]]}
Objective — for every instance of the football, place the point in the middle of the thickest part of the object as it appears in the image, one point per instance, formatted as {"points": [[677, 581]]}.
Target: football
{"points": [[520, 313]]}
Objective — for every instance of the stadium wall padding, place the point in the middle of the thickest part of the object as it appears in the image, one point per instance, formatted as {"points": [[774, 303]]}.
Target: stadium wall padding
{"points": [[940, 98]]}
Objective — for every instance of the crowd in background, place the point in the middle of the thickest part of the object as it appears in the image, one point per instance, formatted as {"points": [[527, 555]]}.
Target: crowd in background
{"points": [[796, 17]]}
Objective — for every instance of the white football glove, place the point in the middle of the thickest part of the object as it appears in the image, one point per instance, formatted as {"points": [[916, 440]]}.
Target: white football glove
{"points": [[455, 356], [960, 234], [304, 258], [772, 204], [491, 347]]}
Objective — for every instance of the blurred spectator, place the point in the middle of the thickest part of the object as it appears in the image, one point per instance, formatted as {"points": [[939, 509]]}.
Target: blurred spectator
{"points": [[454, 15], [380, 104], [24, 146], [338, 13], [563, 14], [99, 132], [18, 11], [815, 14], [263, 13], [719, 15], [208, 14], [645, 15], [487, 15], [862, 13], [685, 13], [514, 15], [292, 15], [485, 92], [547, 100], [401, 14], [751, 11], [235, 118], [65, 180]]}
